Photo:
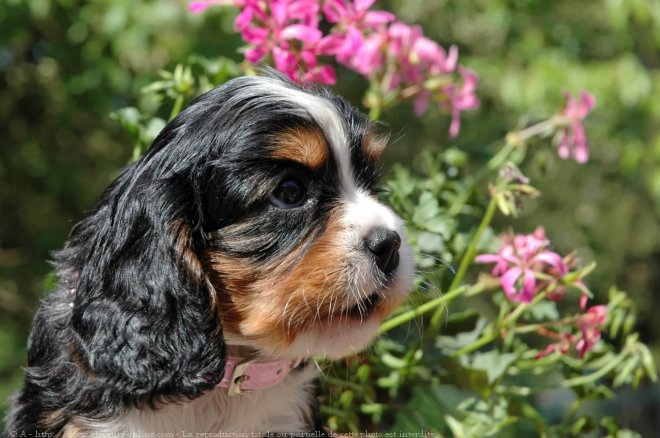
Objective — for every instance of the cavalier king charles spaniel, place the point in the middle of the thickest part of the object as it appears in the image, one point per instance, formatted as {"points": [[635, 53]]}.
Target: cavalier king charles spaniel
{"points": [[247, 240]]}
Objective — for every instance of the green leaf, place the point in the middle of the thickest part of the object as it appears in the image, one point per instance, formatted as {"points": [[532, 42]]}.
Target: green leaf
{"points": [[543, 311], [456, 342], [493, 363], [427, 209], [579, 274], [128, 118], [444, 226], [373, 408], [392, 361], [647, 362], [629, 323], [346, 399], [363, 373], [625, 372], [456, 426], [391, 381], [153, 128], [463, 376], [617, 316], [430, 243]]}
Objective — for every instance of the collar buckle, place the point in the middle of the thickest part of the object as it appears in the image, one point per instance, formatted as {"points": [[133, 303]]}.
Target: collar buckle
{"points": [[238, 377]]}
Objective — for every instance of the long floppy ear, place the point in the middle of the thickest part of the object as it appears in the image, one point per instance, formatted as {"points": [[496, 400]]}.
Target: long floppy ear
{"points": [[144, 320]]}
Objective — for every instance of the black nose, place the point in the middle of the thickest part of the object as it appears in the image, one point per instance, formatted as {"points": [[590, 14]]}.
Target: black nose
{"points": [[384, 244]]}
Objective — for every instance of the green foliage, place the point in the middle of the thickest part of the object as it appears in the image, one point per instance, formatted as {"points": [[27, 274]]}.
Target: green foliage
{"points": [[178, 86], [496, 388]]}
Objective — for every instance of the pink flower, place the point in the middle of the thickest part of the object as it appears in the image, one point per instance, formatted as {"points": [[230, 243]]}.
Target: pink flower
{"points": [[197, 7], [589, 325], [355, 13], [518, 261], [375, 45], [397, 58], [343, 47], [462, 100], [573, 141], [357, 40], [589, 328], [288, 31], [563, 346]]}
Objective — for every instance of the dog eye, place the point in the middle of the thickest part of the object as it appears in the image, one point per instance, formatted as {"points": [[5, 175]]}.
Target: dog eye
{"points": [[290, 193]]}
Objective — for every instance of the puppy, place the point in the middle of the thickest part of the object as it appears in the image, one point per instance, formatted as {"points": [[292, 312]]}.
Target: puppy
{"points": [[245, 241]]}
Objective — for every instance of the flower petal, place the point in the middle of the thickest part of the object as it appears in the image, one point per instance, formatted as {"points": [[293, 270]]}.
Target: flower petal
{"points": [[255, 54], [546, 351], [197, 7], [529, 287], [452, 59], [509, 281], [243, 19], [587, 103], [334, 10], [421, 102], [455, 125], [488, 258], [583, 301], [363, 5], [301, 32], [563, 148], [378, 18], [553, 259], [321, 75]]}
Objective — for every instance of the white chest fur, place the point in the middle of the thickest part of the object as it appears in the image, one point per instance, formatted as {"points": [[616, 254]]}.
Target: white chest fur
{"points": [[285, 407]]}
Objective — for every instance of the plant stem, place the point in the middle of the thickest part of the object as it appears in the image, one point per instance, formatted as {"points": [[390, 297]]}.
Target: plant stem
{"points": [[374, 112], [512, 141], [499, 158], [484, 340], [329, 410], [506, 322], [513, 316], [137, 151], [470, 253], [420, 310], [340, 382], [537, 129]]}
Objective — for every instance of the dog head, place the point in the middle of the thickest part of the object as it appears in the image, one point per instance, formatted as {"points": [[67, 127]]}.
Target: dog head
{"points": [[252, 219]]}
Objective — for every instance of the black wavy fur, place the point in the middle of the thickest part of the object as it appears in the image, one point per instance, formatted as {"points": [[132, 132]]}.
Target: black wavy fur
{"points": [[132, 322]]}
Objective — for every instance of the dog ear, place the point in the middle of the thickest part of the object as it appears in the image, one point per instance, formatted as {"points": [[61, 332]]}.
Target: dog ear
{"points": [[144, 319]]}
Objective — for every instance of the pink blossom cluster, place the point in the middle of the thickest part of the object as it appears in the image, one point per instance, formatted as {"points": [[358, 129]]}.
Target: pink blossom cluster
{"points": [[519, 260], [286, 30], [589, 325], [397, 58], [573, 141], [524, 264]]}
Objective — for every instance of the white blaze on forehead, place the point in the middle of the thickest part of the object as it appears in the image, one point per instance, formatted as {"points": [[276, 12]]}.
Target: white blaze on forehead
{"points": [[364, 213], [321, 111]]}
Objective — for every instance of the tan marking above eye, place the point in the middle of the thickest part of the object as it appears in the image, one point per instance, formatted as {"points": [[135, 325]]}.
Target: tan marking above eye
{"points": [[304, 145], [374, 144]]}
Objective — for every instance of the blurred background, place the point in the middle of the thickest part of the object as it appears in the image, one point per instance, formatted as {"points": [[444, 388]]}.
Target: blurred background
{"points": [[65, 65]]}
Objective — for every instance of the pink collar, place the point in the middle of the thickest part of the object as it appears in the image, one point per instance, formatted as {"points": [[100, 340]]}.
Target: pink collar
{"points": [[248, 374]]}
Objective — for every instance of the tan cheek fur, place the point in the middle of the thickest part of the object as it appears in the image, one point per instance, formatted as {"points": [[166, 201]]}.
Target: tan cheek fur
{"points": [[274, 304], [309, 288]]}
